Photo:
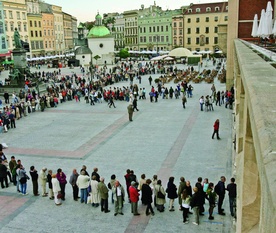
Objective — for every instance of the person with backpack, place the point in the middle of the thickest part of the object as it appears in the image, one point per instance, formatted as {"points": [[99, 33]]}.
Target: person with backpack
{"points": [[220, 191]]}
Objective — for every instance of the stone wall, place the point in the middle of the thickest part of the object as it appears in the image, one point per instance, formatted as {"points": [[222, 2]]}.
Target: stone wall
{"points": [[255, 113]]}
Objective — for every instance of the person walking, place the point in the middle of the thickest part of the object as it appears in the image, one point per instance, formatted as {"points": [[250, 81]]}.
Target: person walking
{"points": [[184, 101], [147, 196], [135, 104], [130, 111], [201, 102], [118, 196], [232, 192], [134, 198], [220, 190], [216, 129], [111, 102]]}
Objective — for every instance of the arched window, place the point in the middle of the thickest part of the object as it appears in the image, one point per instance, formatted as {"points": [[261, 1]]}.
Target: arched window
{"points": [[208, 9], [197, 9]]}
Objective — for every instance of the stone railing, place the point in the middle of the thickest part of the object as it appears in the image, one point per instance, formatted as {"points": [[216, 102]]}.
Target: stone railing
{"points": [[255, 111]]}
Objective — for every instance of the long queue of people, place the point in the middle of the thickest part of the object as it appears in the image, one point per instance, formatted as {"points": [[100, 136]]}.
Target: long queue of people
{"points": [[94, 190]]}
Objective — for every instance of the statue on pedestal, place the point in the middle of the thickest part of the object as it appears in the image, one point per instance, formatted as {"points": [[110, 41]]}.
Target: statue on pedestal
{"points": [[17, 39]]}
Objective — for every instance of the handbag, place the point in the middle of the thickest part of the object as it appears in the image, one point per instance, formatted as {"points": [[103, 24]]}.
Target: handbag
{"points": [[59, 196], [160, 195]]}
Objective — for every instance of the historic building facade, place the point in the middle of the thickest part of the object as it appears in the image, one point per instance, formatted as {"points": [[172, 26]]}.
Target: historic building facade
{"points": [[3, 45], [15, 16], [201, 25], [59, 31], [68, 32], [131, 29], [48, 28], [35, 28]]}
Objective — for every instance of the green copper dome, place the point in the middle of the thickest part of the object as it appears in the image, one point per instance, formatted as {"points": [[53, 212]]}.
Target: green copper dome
{"points": [[98, 31], [98, 16]]}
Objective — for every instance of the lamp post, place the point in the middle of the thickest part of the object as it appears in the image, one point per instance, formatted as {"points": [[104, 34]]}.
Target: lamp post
{"points": [[157, 38]]}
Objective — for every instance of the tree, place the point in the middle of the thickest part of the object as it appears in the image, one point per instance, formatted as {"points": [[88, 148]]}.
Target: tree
{"points": [[123, 53], [108, 21], [96, 58]]}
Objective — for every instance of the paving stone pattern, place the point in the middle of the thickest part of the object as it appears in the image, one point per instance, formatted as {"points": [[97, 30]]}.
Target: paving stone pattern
{"points": [[163, 139]]}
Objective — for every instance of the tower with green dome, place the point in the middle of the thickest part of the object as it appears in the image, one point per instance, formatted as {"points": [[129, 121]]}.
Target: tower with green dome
{"points": [[101, 42]]}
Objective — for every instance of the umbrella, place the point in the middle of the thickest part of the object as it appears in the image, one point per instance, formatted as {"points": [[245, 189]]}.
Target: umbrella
{"points": [[219, 51], [180, 52], [262, 32], [168, 58], [274, 28], [255, 26], [268, 15]]}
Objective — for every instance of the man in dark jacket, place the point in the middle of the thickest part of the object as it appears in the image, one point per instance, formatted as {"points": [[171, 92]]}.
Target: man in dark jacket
{"points": [[220, 190], [3, 174], [147, 196], [34, 176], [201, 195], [232, 191]]}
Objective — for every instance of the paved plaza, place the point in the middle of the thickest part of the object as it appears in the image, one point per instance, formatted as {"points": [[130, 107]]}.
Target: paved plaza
{"points": [[162, 139]]}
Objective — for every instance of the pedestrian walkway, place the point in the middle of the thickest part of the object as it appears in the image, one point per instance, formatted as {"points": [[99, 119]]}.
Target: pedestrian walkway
{"points": [[162, 139]]}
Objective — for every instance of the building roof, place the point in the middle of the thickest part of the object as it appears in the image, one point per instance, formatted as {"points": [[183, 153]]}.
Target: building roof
{"points": [[99, 31], [205, 8], [82, 50]]}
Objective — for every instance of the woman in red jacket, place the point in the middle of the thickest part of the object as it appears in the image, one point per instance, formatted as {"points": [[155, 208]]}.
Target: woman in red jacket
{"points": [[216, 129], [134, 198]]}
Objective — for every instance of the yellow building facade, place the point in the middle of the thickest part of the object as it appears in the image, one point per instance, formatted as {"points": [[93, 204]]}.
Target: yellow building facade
{"points": [[201, 25]]}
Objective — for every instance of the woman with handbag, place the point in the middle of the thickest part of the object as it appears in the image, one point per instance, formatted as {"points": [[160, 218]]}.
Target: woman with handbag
{"points": [[160, 200]]}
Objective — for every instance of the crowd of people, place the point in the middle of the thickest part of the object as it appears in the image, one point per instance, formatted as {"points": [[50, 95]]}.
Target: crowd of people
{"points": [[94, 190]]}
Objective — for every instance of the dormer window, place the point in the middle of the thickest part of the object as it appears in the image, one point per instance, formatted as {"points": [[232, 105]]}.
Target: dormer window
{"points": [[208, 9], [197, 9], [216, 8], [190, 10]]}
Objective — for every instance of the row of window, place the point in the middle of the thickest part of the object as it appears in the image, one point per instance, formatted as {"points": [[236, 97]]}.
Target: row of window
{"points": [[37, 45], [197, 30], [198, 40], [35, 23], [12, 27], [154, 29], [207, 19], [36, 33], [49, 44], [208, 9], [18, 15], [154, 39]]}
